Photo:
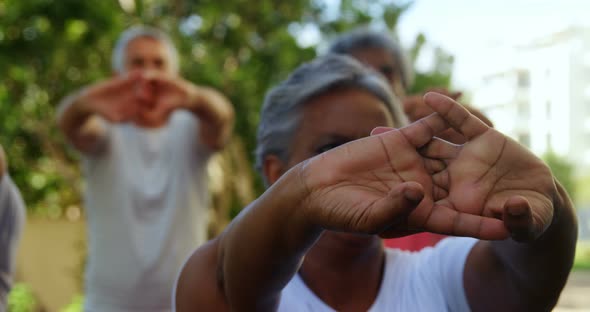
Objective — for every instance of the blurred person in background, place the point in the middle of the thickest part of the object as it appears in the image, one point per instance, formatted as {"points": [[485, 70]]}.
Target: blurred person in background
{"points": [[337, 178], [12, 219], [384, 54], [381, 52], [145, 135]]}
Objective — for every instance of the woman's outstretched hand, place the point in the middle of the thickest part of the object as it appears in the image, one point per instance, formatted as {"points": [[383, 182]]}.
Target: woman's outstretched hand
{"points": [[490, 175], [383, 185]]}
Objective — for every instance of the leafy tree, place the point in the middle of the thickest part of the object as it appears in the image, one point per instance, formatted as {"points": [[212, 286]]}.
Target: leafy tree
{"points": [[438, 76], [22, 299], [563, 171], [385, 15], [50, 48]]}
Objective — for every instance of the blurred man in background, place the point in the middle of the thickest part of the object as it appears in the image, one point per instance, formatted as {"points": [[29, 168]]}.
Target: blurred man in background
{"points": [[146, 136]]}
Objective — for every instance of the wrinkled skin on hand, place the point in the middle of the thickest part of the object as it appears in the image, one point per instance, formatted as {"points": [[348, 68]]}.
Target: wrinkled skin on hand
{"points": [[490, 175], [145, 98], [416, 108], [400, 181], [115, 99], [161, 95]]}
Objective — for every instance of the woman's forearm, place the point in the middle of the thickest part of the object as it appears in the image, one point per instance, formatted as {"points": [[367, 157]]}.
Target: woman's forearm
{"points": [[538, 270], [264, 247]]}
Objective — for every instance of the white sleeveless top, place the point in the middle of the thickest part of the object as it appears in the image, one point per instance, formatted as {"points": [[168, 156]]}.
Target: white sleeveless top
{"points": [[146, 202], [424, 281]]}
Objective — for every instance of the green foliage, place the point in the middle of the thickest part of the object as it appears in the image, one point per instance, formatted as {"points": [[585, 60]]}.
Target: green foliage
{"points": [[241, 49], [439, 76], [50, 48], [21, 299], [582, 259], [583, 190], [440, 73], [385, 15], [77, 305], [562, 170]]}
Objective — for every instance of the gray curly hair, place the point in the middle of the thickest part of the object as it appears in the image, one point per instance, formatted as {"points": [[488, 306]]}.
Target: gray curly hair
{"points": [[282, 109], [134, 32], [363, 38]]}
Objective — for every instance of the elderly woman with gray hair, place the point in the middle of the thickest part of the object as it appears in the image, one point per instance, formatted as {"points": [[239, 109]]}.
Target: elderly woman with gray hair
{"points": [[341, 176]]}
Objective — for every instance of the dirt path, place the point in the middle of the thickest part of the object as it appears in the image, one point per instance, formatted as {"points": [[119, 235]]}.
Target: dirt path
{"points": [[576, 295]]}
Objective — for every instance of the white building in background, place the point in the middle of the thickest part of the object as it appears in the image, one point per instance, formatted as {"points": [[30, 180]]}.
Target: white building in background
{"points": [[541, 96]]}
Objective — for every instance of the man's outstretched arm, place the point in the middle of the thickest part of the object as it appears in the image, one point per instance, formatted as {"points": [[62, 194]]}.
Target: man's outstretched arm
{"points": [[213, 109], [79, 113], [80, 125], [216, 115]]}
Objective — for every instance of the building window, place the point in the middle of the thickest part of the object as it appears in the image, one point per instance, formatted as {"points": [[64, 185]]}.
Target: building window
{"points": [[522, 108], [523, 79]]}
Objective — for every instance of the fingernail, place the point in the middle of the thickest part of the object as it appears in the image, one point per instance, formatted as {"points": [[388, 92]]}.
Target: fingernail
{"points": [[413, 195], [380, 130], [518, 210]]}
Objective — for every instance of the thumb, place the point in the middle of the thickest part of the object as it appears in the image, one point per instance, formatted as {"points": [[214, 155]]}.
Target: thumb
{"points": [[518, 219], [413, 192], [395, 208], [455, 95]]}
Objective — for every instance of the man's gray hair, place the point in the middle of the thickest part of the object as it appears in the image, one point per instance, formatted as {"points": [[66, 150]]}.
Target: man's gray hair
{"points": [[134, 32], [363, 38], [282, 109]]}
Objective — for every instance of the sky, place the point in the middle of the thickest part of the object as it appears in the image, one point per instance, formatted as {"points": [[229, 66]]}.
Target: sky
{"points": [[477, 31]]}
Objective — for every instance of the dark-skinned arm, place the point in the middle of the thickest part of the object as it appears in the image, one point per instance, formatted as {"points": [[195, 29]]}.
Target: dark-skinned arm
{"points": [[232, 274], [493, 175], [524, 276], [328, 192]]}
